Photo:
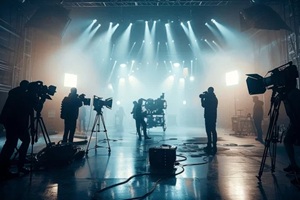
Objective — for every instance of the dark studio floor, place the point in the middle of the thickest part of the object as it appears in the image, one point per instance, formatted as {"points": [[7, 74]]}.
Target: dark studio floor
{"points": [[230, 174]]}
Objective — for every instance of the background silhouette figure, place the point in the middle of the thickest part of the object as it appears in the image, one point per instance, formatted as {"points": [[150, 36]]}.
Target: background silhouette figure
{"points": [[258, 114], [120, 114], [82, 119]]}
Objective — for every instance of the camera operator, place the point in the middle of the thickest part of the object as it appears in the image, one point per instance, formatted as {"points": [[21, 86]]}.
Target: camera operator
{"points": [[69, 112], [209, 102], [17, 112], [258, 114], [140, 119], [291, 101]]}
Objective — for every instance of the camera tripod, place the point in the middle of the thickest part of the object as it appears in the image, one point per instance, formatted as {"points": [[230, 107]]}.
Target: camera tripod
{"points": [[96, 128], [40, 125], [272, 134]]}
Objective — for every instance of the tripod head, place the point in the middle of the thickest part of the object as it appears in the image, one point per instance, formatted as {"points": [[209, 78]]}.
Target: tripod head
{"points": [[99, 111]]}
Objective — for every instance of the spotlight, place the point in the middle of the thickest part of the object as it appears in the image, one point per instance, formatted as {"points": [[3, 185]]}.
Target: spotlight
{"points": [[123, 65], [176, 64]]}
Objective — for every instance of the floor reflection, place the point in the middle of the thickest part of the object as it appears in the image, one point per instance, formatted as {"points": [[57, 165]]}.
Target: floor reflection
{"points": [[126, 173]]}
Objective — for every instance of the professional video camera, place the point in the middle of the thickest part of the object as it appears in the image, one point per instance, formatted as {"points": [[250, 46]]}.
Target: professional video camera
{"points": [[98, 103], [280, 78], [156, 106], [203, 95], [86, 101], [42, 91]]}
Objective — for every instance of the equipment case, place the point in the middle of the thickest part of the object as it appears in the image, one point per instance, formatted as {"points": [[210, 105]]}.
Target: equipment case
{"points": [[162, 157]]}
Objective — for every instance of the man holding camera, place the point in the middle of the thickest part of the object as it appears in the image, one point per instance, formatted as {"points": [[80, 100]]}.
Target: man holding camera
{"points": [[209, 102], [69, 112]]}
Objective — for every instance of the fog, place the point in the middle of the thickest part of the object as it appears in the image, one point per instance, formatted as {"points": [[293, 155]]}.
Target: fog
{"points": [[150, 71]]}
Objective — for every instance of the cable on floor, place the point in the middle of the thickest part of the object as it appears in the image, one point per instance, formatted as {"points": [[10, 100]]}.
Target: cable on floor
{"points": [[157, 182]]}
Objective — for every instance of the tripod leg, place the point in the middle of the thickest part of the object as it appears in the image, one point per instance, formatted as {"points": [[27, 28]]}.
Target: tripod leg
{"points": [[94, 125], [264, 157], [274, 149], [274, 156], [102, 119], [44, 131]]}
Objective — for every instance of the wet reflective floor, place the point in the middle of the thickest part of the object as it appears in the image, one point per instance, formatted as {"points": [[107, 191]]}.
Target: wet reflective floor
{"points": [[126, 173]]}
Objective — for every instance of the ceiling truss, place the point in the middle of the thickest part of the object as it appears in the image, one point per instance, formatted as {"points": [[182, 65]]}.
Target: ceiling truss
{"points": [[127, 3]]}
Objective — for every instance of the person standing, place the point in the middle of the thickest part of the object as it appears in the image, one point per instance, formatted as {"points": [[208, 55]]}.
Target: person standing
{"points": [[82, 120], [291, 99], [17, 112], [258, 114], [120, 114], [69, 112], [140, 119], [209, 102]]}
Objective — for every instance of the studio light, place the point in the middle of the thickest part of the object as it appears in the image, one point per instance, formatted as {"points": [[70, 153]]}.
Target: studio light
{"points": [[232, 78], [70, 80]]}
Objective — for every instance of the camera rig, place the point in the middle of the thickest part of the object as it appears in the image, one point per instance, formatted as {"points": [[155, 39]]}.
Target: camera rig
{"points": [[85, 101], [281, 80], [40, 93], [98, 104], [155, 110]]}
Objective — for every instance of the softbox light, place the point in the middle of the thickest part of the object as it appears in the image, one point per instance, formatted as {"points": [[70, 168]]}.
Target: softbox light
{"points": [[52, 19], [261, 16]]}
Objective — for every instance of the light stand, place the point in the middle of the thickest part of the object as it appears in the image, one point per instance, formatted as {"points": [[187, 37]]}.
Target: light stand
{"points": [[96, 128]]}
